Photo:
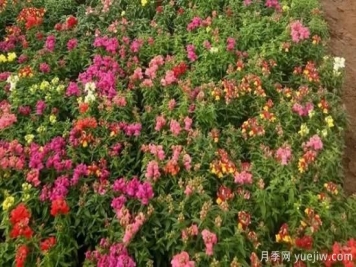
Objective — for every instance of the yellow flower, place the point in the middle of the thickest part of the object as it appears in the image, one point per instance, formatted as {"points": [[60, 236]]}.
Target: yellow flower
{"points": [[29, 138], [329, 121], [60, 88], [26, 186], [302, 165], [8, 202], [41, 129], [52, 119], [25, 196], [287, 239], [11, 57], [304, 130], [2, 58], [311, 113], [44, 85], [55, 81], [285, 8], [144, 2], [123, 13], [208, 29]]}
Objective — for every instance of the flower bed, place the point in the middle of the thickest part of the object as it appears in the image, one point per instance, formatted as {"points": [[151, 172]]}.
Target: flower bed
{"points": [[141, 133]]}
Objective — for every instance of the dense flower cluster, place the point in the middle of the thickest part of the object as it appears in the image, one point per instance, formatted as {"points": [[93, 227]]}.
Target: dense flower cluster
{"points": [[168, 133]]}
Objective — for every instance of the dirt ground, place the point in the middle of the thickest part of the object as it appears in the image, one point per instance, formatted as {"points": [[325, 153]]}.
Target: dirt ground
{"points": [[341, 16]]}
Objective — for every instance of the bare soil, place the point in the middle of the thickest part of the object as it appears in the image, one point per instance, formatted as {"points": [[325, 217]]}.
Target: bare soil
{"points": [[341, 16]]}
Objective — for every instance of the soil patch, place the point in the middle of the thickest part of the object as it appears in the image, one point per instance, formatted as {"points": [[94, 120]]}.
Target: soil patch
{"points": [[341, 16]]}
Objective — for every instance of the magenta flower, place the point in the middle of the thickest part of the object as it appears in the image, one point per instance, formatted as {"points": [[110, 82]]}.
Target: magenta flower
{"points": [[71, 44], [45, 68], [50, 43]]}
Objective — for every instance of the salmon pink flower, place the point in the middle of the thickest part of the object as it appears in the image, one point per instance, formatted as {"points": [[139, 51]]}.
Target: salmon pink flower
{"points": [[299, 32], [283, 154], [210, 240], [182, 260]]}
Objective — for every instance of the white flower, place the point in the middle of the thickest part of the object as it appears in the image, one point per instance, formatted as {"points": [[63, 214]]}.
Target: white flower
{"points": [[89, 87], [214, 50], [12, 80], [90, 97], [339, 63]]}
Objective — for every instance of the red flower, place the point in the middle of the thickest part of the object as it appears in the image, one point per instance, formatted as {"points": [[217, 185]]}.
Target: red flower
{"points": [[48, 243], [21, 255], [180, 69], [159, 9], [71, 22], [59, 206], [21, 229], [305, 242], [299, 263], [19, 214], [224, 193], [58, 27]]}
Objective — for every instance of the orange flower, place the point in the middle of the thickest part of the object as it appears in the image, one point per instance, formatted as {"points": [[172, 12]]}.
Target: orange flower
{"points": [[172, 168], [83, 107], [85, 123], [26, 72]]}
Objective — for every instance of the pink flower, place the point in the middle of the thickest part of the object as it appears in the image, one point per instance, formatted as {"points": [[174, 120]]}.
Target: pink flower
{"points": [[171, 104], [71, 44], [231, 42], [210, 240], [7, 120], [283, 154], [157, 151], [191, 53], [247, 2], [188, 190], [176, 152], [207, 45], [145, 193], [195, 23], [273, 4], [299, 32], [152, 171], [137, 75], [188, 123], [243, 177], [133, 228], [187, 160], [160, 122], [72, 89], [40, 107], [169, 78], [175, 127], [45, 68], [50, 43], [33, 177], [314, 143], [182, 260], [136, 46]]}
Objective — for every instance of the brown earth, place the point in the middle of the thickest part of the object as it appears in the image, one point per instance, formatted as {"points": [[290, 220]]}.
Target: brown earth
{"points": [[341, 16]]}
